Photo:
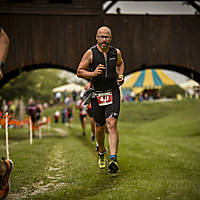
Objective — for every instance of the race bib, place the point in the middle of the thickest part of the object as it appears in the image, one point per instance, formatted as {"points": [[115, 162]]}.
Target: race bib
{"points": [[104, 98]]}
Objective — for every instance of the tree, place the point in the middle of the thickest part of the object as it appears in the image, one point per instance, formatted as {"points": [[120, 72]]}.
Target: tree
{"points": [[37, 84], [170, 91]]}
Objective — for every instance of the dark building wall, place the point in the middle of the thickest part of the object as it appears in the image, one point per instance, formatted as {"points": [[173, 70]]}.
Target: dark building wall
{"points": [[59, 40], [157, 40], [171, 42], [73, 7]]}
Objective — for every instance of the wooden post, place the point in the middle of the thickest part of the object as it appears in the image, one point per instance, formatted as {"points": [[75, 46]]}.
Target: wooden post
{"points": [[31, 133], [7, 148]]}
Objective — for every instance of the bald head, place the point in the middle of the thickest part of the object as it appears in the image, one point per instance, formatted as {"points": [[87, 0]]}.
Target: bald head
{"points": [[104, 30], [104, 37]]}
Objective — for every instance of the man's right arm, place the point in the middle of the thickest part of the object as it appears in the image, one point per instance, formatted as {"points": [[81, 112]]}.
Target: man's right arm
{"points": [[84, 64], [86, 60]]}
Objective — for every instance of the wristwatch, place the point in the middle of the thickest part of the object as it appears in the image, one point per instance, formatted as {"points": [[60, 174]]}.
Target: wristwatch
{"points": [[121, 76]]}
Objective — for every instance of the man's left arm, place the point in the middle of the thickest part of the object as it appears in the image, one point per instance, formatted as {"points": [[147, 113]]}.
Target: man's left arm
{"points": [[120, 68], [4, 45]]}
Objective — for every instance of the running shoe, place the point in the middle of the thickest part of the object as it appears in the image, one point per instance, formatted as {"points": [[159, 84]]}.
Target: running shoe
{"points": [[92, 137], [113, 167], [5, 179], [102, 160]]}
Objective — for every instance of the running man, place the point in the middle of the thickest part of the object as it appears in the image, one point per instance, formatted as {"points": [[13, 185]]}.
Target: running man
{"points": [[103, 64], [82, 113], [69, 114], [5, 165], [90, 114]]}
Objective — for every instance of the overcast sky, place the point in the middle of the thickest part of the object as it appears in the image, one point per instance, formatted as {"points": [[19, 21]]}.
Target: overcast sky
{"points": [[152, 7], [155, 8]]}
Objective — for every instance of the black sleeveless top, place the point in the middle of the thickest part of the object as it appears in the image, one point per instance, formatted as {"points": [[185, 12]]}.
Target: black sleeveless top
{"points": [[108, 79]]}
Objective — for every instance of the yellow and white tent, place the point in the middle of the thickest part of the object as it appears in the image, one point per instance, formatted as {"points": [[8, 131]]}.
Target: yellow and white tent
{"points": [[147, 79]]}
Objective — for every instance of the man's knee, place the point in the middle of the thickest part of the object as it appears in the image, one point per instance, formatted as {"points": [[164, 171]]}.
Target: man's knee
{"points": [[111, 123]]}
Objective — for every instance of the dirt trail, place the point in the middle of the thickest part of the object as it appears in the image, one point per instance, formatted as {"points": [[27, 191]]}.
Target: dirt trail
{"points": [[54, 173]]}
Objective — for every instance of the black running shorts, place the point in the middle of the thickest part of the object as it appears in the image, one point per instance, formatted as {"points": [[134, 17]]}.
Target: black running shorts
{"points": [[101, 113], [90, 112], [82, 117]]}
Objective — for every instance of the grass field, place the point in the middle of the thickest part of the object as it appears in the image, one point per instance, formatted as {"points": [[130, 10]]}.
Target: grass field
{"points": [[159, 157]]}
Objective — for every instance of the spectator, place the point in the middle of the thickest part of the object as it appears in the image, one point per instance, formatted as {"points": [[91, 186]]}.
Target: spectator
{"points": [[64, 117], [38, 111], [74, 95], [56, 116], [58, 97], [31, 111], [69, 114]]}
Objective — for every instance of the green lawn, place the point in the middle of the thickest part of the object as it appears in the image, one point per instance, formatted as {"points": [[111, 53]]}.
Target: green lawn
{"points": [[159, 157]]}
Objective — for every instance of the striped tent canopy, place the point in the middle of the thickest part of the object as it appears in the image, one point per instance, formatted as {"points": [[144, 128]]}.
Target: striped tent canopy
{"points": [[147, 79]]}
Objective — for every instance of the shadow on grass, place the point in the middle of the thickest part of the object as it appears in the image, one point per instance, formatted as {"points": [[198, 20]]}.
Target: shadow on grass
{"points": [[103, 181], [88, 143], [193, 135]]}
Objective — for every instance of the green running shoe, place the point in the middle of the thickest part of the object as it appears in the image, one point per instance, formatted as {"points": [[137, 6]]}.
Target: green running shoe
{"points": [[102, 160], [113, 167]]}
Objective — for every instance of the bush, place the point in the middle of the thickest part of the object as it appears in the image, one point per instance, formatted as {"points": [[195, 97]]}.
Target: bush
{"points": [[170, 91]]}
